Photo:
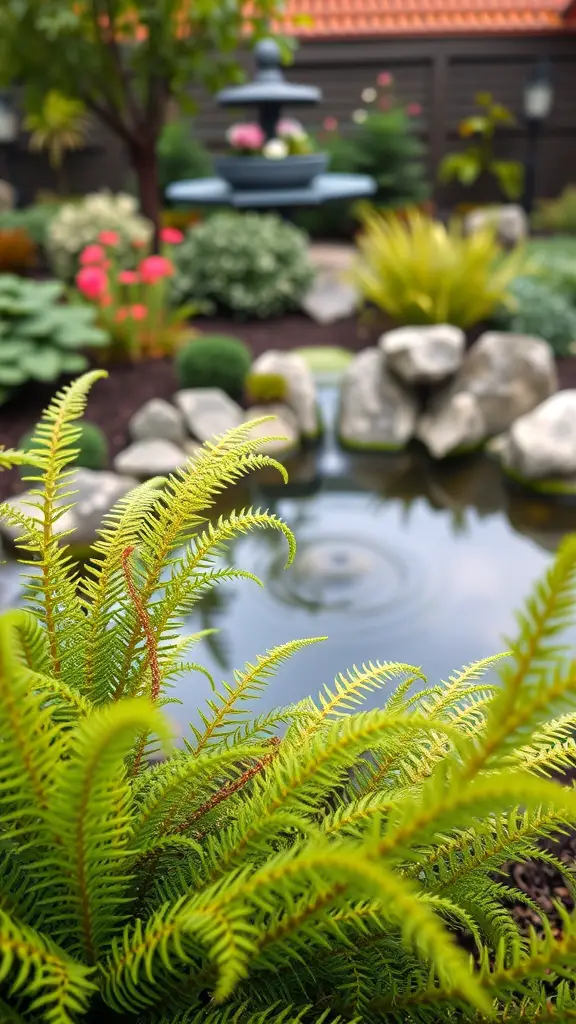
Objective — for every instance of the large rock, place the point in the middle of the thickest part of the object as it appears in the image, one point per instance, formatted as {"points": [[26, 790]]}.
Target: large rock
{"points": [[150, 457], [424, 355], [502, 377], [509, 222], [284, 426], [158, 419], [330, 298], [301, 394], [96, 494], [208, 412], [542, 443], [375, 411]]}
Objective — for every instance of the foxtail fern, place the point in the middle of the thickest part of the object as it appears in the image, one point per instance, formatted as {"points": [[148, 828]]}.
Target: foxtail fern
{"points": [[318, 864]]}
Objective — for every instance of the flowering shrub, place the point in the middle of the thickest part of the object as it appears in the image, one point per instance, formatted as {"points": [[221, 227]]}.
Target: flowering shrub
{"points": [[248, 139], [99, 217], [248, 264], [133, 304]]}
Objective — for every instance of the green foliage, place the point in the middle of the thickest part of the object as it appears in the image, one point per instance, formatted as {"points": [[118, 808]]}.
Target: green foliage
{"points": [[270, 870], [556, 214], [479, 156], [40, 337], [58, 126], [181, 157], [555, 260], [214, 361], [540, 310], [260, 388], [386, 147], [421, 272], [248, 264], [91, 447], [34, 220]]}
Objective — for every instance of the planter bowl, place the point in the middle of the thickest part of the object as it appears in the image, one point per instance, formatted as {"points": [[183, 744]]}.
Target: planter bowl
{"points": [[260, 172]]}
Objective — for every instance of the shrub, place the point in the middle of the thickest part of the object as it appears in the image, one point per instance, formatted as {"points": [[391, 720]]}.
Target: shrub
{"points": [[420, 272], [18, 252], [261, 388], [248, 264], [556, 214], [269, 870], [214, 361], [79, 224], [479, 157], [541, 311], [40, 338], [91, 447], [555, 260], [180, 156], [34, 220]]}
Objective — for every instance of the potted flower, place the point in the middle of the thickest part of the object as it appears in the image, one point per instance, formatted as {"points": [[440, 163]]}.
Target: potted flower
{"points": [[287, 160]]}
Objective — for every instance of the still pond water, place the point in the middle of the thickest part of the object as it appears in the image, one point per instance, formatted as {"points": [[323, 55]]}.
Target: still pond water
{"points": [[398, 559]]}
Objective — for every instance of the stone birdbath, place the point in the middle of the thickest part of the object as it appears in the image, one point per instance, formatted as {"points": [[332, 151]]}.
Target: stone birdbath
{"points": [[257, 182]]}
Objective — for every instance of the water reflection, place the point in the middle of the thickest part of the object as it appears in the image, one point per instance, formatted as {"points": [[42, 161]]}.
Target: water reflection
{"points": [[399, 558]]}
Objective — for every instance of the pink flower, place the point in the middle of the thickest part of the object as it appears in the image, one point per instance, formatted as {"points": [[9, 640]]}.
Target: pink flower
{"points": [[109, 238], [171, 236], [92, 282], [330, 124], [154, 268], [413, 110], [384, 103], [139, 243], [92, 254], [384, 79], [128, 277], [121, 314], [246, 136], [289, 128], [138, 312]]}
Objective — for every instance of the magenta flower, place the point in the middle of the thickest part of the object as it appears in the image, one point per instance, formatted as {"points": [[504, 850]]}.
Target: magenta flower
{"points": [[171, 236], [138, 312], [248, 136], [111, 238], [92, 282], [384, 79], [154, 268], [92, 254], [330, 124], [128, 277], [413, 110]]}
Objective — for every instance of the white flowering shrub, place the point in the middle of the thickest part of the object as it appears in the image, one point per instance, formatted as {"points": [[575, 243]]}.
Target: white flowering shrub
{"points": [[247, 264], [79, 224]]}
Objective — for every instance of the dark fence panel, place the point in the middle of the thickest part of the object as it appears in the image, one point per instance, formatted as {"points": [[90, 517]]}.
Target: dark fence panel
{"points": [[441, 75]]}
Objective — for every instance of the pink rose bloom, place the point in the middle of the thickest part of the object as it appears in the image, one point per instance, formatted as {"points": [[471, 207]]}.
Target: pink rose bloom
{"points": [[138, 312], [109, 238], [121, 314], [92, 282], [171, 236], [289, 128], [128, 277], [246, 136], [330, 124], [92, 254], [154, 268], [384, 79], [414, 110]]}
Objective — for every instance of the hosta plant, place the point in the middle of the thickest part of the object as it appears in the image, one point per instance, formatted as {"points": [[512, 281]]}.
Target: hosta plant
{"points": [[41, 337], [319, 863]]}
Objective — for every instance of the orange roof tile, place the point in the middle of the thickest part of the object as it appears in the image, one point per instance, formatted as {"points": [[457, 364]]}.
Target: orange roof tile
{"points": [[333, 18]]}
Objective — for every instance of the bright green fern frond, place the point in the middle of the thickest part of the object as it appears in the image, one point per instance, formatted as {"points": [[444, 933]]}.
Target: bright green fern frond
{"points": [[55, 987], [224, 715], [350, 688], [91, 818]]}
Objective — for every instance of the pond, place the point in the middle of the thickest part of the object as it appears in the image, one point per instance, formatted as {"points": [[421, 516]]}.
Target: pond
{"points": [[399, 558]]}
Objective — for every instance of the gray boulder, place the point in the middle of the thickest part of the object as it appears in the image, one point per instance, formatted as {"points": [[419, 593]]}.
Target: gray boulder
{"points": [[542, 443], [509, 222], [375, 411], [208, 412], [158, 419], [330, 298], [284, 425], [150, 457], [424, 355], [301, 389], [97, 493], [503, 376]]}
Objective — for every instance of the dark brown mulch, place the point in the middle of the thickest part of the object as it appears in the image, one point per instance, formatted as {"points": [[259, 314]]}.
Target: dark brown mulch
{"points": [[114, 400]]}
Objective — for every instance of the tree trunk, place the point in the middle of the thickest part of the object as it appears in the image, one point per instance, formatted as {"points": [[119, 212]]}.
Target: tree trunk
{"points": [[145, 164]]}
